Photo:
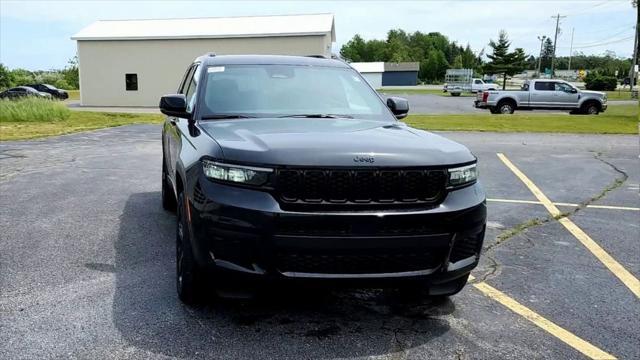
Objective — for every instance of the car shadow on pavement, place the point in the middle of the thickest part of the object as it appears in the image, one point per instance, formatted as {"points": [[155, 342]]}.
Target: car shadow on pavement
{"points": [[280, 324]]}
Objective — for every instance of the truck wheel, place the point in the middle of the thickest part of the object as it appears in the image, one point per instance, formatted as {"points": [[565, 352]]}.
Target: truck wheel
{"points": [[506, 107], [168, 199], [591, 108], [189, 276]]}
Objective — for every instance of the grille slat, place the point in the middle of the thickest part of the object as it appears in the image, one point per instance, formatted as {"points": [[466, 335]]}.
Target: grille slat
{"points": [[360, 186], [356, 264]]}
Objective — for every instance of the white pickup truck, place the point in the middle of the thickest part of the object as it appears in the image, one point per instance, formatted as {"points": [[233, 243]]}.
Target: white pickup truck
{"points": [[476, 85], [543, 94]]}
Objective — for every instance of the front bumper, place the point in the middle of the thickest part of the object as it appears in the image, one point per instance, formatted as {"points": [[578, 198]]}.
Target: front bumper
{"points": [[244, 233]]}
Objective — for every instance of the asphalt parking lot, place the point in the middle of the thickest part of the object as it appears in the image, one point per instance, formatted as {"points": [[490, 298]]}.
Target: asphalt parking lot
{"points": [[87, 263]]}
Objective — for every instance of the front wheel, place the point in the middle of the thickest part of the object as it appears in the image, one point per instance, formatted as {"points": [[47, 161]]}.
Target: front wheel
{"points": [[189, 277], [591, 108]]}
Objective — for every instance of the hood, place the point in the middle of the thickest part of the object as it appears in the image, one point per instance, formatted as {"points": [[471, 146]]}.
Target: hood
{"points": [[331, 142], [591, 92]]}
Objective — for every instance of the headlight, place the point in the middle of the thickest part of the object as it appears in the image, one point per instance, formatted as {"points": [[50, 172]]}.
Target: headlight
{"points": [[463, 175], [236, 173]]}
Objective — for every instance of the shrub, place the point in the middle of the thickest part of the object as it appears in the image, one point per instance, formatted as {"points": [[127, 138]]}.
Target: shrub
{"points": [[594, 81], [32, 110]]}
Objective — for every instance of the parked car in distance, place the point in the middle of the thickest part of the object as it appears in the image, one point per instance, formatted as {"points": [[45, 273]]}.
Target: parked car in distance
{"points": [[23, 91], [476, 85], [543, 94], [50, 89], [290, 169]]}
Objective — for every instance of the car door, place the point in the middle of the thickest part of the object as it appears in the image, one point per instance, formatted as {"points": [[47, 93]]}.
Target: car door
{"points": [[543, 94], [178, 127], [477, 85], [566, 96], [171, 123]]}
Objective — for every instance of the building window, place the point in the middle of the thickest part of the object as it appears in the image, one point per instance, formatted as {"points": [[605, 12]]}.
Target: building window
{"points": [[131, 81]]}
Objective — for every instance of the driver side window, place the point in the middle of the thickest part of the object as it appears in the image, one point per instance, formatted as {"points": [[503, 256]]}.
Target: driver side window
{"points": [[192, 86]]}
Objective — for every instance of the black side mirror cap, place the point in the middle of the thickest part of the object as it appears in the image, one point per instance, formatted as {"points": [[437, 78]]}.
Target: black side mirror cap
{"points": [[174, 105], [398, 106]]}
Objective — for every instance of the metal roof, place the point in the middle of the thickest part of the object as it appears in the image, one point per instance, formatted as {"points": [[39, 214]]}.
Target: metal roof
{"points": [[220, 27], [368, 67], [403, 66]]}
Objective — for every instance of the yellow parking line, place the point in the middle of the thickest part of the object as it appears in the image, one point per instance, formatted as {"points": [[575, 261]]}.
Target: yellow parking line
{"points": [[565, 336], [609, 207], [615, 267]]}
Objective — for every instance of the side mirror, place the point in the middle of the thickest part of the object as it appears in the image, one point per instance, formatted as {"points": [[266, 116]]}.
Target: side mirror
{"points": [[398, 106], [174, 105]]}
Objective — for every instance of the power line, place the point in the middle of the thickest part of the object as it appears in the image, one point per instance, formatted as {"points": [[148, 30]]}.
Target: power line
{"points": [[605, 43]]}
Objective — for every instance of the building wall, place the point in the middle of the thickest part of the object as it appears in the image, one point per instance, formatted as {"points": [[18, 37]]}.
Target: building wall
{"points": [[160, 64], [374, 79], [399, 78]]}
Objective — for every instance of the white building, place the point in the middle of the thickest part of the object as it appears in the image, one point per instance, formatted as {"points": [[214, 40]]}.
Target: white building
{"points": [[371, 71], [134, 62]]}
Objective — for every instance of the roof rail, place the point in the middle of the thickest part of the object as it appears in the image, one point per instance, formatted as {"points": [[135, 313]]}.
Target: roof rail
{"points": [[316, 56], [211, 54]]}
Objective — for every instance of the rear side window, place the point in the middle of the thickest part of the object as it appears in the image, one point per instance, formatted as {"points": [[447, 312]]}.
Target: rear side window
{"points": [[545, 86], [131, 82]]}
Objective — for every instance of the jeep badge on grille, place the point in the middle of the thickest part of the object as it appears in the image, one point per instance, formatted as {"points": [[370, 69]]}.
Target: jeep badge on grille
{"points": [[364, 159]]}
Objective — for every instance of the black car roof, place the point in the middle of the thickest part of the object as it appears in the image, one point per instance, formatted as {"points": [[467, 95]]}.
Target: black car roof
{"points": [[213, 60]]}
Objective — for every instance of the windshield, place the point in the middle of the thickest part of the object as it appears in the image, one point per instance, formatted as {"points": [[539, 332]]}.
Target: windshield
{"points": [[289, 90]]}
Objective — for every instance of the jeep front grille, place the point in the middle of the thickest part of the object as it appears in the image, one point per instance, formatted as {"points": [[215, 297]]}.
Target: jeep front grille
{"points": [[360, 187]]}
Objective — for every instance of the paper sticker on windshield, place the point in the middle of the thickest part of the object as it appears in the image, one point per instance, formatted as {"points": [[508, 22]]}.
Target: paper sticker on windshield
{"points": [[214, 69]]}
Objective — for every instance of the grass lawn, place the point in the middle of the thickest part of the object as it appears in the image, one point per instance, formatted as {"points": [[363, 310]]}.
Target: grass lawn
{"points": [[75, 122], [618, 119], [74, 94], [619, 95]]}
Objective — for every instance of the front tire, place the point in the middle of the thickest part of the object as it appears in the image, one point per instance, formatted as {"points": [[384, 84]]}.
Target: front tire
{"points": [[189, 277], [591, 108]]}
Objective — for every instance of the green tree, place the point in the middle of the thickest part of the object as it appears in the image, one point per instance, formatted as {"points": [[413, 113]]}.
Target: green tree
{"points": [[354, 50], [433, 51], [457, 63], [22, 77], [434, 67], [505, 62], [6, 77], [547, 54], [71, 75]]}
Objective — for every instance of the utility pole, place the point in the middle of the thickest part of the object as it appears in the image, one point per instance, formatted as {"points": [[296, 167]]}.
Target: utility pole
{"points": [[571, 49], [541, 38], [634, 59], [555, 39]]}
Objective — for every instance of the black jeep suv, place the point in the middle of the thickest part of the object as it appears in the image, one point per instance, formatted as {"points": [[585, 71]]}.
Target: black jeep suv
{"points": [[291, 168]]}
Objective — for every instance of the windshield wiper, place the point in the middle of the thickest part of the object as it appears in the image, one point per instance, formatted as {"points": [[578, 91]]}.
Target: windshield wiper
{"points": [[318, 116], [226, 116]]}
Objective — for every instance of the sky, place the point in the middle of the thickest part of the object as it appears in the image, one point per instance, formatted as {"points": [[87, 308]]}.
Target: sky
{"points": [[35, 35]]}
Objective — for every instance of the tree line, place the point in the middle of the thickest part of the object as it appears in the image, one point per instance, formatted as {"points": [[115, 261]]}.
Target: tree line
{"points": [[67, 78], [436, 53]]}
